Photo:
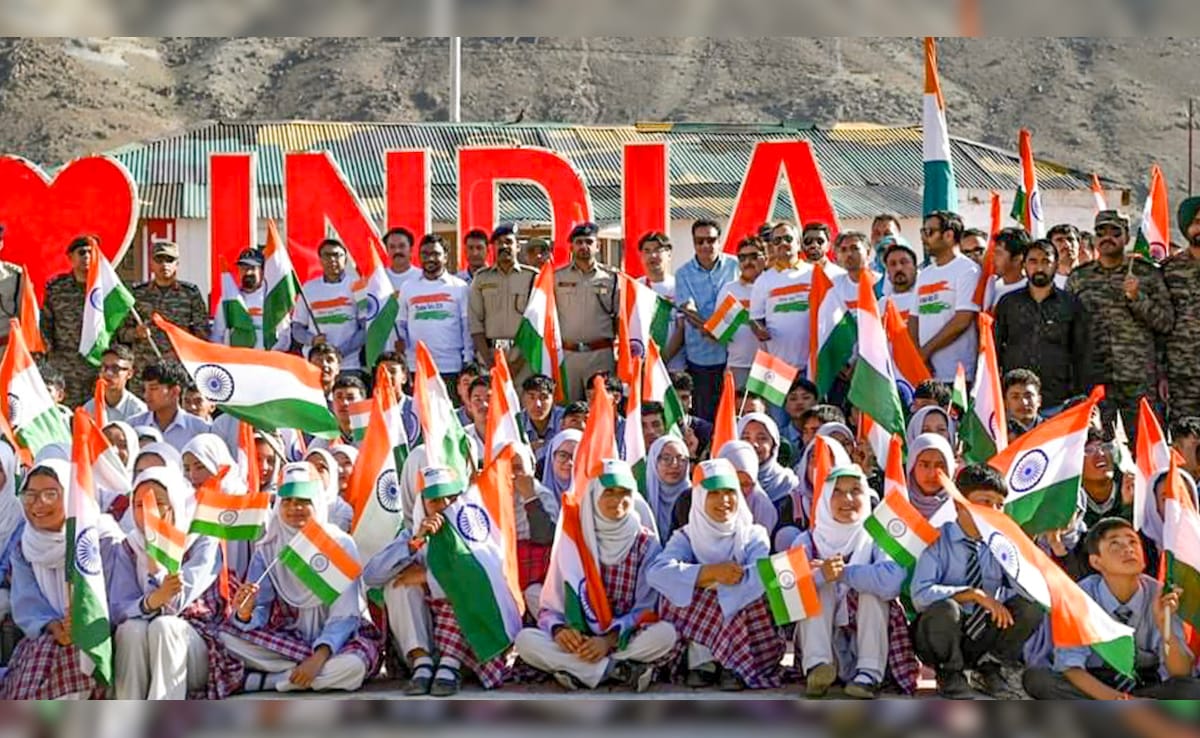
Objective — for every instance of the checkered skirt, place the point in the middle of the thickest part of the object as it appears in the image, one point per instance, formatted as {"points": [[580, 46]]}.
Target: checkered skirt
{"points": [[448, 640], [902, 662], [748, 644], [620, 580], [40, 669], [281, 636], [533, 562]]}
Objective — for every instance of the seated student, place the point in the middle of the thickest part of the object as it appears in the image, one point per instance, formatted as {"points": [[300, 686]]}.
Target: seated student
{"points": [[537, 515], [341, 514], [1066, 546], [575, 416], [12, 517], [281, 628], [575, 652], [169, 647], [778, 481], [928, 454], [801, 396], [971, 614], [1152, 518], [202, 459], [710, 591], [745, 463], [931, 419], [668, 468], [840, 441], [811, 420], [560, 462], [1120, 586], [861, 632], [46, 664], [1104, 488], [540, 418]]}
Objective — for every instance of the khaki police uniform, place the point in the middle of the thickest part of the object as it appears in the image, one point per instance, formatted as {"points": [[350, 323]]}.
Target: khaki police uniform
{"points": [[587, 310], [495, 308]]}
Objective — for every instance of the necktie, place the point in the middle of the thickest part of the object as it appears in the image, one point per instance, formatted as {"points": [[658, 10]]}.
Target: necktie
{"points": [[977, 620], [1124, 683]]}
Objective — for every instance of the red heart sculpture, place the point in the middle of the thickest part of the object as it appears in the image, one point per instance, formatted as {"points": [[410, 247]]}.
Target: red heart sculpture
{"points": [[40, 216]]}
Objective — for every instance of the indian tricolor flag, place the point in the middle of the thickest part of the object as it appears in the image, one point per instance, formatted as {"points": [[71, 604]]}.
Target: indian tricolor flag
{"points": [[1181, 544], [360, 418], [657, 387], [900, 530], [1044, 467], [227, 516], [985, 288], [635, 437], [24, 399], [985, 429], [873, 383], [374, 485], [539, 337], [906, 358], [940, 193], [320, 562], [1152, 458], [1027, 205], [877, 438], [644, 317], [1152, 238], [831, 334], [282, 288], [238, 321], [267, 389], [1098, 201], [91, 630], [791, 591], [729, 316], [770, 378], [502, 426], [958, 395], [108, 302], [446, 443], [725, 423], [1076, 620], [164, 542], [30, 315], [377, 305]]}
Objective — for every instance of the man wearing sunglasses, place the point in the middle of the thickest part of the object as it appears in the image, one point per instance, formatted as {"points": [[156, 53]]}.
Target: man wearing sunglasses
{"points": [[752, 260], [814, 242], [334, 316], [779, 300], [697, 283], [944, 323]]}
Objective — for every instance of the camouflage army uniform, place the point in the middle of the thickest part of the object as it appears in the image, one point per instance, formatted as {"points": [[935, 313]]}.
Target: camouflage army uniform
{"points": [[62, 321], [1181, 273], [181, 303], [1126, 335]]}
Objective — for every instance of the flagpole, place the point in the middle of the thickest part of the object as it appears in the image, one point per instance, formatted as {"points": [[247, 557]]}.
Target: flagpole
{"points": [[149, 338], [258, 581], [308, 306]]}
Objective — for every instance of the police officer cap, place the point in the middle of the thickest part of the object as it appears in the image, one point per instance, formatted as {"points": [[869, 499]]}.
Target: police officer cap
{"points": [[250, 257], [584, 229]]}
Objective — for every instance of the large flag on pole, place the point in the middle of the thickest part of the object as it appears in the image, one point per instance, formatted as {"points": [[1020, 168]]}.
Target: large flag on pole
{"points": [[374, 486], [91, 632], [873, 383], [1152, 237], [1181, 544], [831, 334], [635, 435], [644, 316], [107, 303], [985, 430], [657, 387], [539, 337], [24, 399], [1027, 205], [282, 286], [940, 193], [985, 288], [502, 427], [268, 389], [1044, 468]]}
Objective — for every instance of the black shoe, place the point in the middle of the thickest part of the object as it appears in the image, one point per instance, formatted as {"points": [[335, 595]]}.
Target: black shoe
{"points": [[634, 675], [568, 681], [705, 676], [421, 681], [952, 685], [443, 687], [730, 682], [991, 681]]}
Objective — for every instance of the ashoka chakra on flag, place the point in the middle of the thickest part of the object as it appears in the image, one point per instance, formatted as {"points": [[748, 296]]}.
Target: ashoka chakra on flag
{"points": [[473, 523], [87, 552], [215, 382], [387, 491], [1028, 471]]}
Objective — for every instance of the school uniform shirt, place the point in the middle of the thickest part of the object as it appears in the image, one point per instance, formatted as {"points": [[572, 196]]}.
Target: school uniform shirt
{"points": [[127, 407], [943, 291], [198, 570], [674, 572], [694, 282], [434, 311], [745, 345], [334, 315], [879, 576], [553, 426], [666, 288], [182, 428], [941, 571], [1147, 633], [780, 300], [386, 565]]}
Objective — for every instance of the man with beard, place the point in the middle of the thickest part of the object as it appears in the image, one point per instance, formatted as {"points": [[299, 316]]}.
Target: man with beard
{"points": [[1181, 273], [900, 263], [1129, 312], [1044, 329], [498, 297], [227, 329], [1065, 238], [814, 241], [433, 309]]}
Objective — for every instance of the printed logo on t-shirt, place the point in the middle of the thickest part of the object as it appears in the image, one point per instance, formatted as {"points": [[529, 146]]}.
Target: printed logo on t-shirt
{"points": [[792, 298], [933, 299], [436, 306]]}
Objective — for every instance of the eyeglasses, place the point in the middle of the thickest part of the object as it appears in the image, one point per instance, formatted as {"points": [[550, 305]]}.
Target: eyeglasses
{"points": [[333, 256], [930, 231], [114, 368], [31, 496], [785, 238], [972, 252], [704, 240], [815, 239], [563, 457], [752, 256], [671, 460], [656, 249]]}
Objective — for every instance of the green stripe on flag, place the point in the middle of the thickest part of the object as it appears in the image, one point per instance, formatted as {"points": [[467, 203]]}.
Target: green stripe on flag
{"points": [[1047, 509], [940, 191], [758, 387], [117, 305], [876, 396], [242, 332], [573, 610], [289, 413], [162, 557], [835, 353], [91, 630], [278, 304], [888, 544], [1018, 207], [779, 609], [742, 318], [978, 444], [1186, 579], [381, 330], [298, 566], [469, 590], [530, 344], [660, 324], [1119, 654], [226, 532]]}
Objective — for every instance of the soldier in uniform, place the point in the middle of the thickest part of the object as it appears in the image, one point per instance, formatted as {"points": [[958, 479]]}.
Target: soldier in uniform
{"points": [[177, 301], [497, 303], [11, 285], [1181, 273], [1129, 314], [586, 293], [535, 253], [62, 321]]}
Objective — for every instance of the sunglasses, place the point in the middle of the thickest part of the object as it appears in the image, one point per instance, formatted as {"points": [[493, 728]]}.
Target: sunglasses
{"points": [[786, 238], [165, 260], [703, 240], [751, 256], [811, 241]]}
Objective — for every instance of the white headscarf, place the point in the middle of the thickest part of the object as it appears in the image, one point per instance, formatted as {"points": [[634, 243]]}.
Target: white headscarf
{"points": [[928, 505], [551, 482], [350, 452], [213, 455], [148, 431], [150, 573], [803, 496], [278, 534], [12, 512], [917, 421], [164, 451], [776, 479], [332, 488], [830, 537], [662, 496], [713, 542], [745, 460], [1152, 524], [132, 444], [610, 539]]}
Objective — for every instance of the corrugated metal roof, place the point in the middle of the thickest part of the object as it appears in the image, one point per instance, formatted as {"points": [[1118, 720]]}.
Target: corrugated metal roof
{"points": [[867, 169]]}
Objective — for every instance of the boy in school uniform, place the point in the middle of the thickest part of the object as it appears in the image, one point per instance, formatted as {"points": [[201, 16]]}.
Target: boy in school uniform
{"points": [[1164, 666], [970, 613]]}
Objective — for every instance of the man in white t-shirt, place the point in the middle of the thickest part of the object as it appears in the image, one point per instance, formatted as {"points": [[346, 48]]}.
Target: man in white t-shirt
{"points": [[854, 255], [654, 249], [334, 317], [399, 243], [900, 261], [944, 325], [779, 300], [1065, 238], [815, 245], [433, 309], [1009, 262], [752, 259]]}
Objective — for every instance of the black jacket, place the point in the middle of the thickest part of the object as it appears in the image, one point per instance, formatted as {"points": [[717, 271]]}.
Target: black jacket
{"points": [[1049, 337]]}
